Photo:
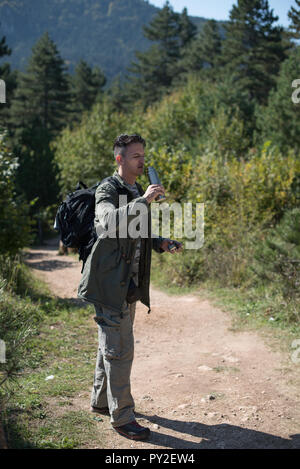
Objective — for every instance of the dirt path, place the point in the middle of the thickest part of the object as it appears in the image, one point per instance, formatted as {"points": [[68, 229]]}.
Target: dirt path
{"points": [[196, 382]]}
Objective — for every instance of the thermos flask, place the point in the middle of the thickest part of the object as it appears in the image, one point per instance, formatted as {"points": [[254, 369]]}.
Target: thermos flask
{"points": [[154, 179]]}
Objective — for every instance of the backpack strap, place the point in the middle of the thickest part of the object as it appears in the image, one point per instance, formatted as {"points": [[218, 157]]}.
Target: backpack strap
{"points": [[79, 185]]}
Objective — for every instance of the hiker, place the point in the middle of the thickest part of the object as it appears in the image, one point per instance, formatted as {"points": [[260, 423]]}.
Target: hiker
{"points": [[116, 275]]}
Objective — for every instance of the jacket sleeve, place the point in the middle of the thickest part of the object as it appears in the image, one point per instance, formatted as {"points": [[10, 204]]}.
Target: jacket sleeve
{"points": [[109, 218]]}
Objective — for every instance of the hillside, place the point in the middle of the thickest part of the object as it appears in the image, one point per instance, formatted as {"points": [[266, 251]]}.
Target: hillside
{"points": [[102, 32]]}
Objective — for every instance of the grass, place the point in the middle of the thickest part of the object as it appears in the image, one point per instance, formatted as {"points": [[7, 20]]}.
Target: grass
{"points": [[161, 280], [40, 430], [40, 413]]}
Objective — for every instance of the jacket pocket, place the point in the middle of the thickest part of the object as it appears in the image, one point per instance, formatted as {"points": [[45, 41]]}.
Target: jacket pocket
{"points": [[109, 256]]}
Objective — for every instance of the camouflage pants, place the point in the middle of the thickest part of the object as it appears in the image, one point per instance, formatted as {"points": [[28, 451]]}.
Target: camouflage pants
{"points": [[114, 361]]}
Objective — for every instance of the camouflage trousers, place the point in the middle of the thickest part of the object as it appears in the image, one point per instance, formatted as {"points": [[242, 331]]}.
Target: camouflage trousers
{"points": [[113, 365]]}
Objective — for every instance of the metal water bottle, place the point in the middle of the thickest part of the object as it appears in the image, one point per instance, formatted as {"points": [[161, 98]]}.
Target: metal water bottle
{"points": [[154, 179]]}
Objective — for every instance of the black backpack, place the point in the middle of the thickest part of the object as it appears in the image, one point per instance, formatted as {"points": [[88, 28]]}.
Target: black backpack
{"points": [[75, 220]]}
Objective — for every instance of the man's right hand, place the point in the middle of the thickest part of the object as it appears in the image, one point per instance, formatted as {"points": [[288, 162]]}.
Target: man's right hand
{"points": [[153, 191]]}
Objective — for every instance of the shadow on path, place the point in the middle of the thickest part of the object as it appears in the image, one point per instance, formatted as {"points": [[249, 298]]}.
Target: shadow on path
{"points": [[223, 436], [33, 259], [49, 265]]}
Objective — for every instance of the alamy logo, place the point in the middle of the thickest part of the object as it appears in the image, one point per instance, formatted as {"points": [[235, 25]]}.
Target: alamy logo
{"points": [[295, 98], [188, 222], [2, 351], [2, 92], [296, 354]]}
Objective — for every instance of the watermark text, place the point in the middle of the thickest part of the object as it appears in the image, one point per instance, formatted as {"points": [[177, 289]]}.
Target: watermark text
{"points": [[295, 356], [295, 95], [2, 92], [131, 220], [2, 351]]}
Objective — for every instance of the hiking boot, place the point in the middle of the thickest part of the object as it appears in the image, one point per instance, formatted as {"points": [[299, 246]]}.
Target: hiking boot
{"points": [[100, 410], [133, 431]]}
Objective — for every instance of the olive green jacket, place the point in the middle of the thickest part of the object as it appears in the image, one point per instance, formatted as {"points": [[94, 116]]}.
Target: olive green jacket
{"points": [[107, 271]]}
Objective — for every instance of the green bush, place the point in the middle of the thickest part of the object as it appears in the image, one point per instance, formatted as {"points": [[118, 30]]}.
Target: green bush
{"points": [[14, 219], [277, 256], [279, 120], [242, 199], [86, 152], [18, 320]]}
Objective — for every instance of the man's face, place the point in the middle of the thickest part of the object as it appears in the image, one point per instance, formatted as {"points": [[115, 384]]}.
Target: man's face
{"points": [[134, 160]]}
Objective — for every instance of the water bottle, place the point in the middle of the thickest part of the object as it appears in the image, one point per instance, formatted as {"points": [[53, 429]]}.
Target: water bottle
{"points": [[154, 179]]}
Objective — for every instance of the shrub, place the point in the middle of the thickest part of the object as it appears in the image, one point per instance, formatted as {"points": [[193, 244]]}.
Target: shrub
{"points": [[277, 256], [14, 219], [18, 319]]}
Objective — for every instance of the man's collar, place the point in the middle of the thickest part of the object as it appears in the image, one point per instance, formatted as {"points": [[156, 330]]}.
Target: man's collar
{"points": [[121, 180], [123, 183]]}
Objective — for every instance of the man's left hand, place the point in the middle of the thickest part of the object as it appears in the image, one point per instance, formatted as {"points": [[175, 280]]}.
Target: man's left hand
{"points": [[164, 245]]}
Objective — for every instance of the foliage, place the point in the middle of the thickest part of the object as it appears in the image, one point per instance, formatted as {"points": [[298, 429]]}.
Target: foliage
{"points": [[242, 198], [10, 78], [201, 102], [251, 191], [227, 136], [253, 48], [294, 16], [279, 120], [85, 153], [38, 112], [176, 127], [86, 87], [103, 33], [36, 174], [203, 53], [182, 119], [18, 320], [154, 72], [42, 93], [14, 222], [174, 165], [277, 256]]}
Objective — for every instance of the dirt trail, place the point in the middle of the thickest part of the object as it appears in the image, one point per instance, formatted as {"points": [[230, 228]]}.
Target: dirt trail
{"points": [[196, 382]]}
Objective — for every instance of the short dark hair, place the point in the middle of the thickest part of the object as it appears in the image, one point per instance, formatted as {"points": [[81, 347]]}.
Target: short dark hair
{"points": [[123, 140]]}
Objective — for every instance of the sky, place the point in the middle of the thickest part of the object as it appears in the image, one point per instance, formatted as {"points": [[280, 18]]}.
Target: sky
{"points": [[219, 9]]}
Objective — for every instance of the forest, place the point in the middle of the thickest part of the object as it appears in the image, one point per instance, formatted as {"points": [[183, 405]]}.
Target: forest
{"points": [[103, 32], [219, 110]]}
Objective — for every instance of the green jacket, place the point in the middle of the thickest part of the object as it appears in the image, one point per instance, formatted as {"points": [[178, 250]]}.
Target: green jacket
{"points": [[106, 274]]}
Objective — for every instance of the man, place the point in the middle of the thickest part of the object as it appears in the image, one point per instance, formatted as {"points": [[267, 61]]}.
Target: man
{"points": [[119, 265]]}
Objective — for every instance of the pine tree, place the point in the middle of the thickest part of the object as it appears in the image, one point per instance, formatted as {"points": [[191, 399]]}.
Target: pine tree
{"points": [[86, 85], [279, 121], [38, 113], [204, 51], [277, 258], [156, 68], [42, 94], [10, 80], [253, 48], [165, 29], [37, 172], [4, 49], [294, 16], [118, 95], [187, 29]]}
